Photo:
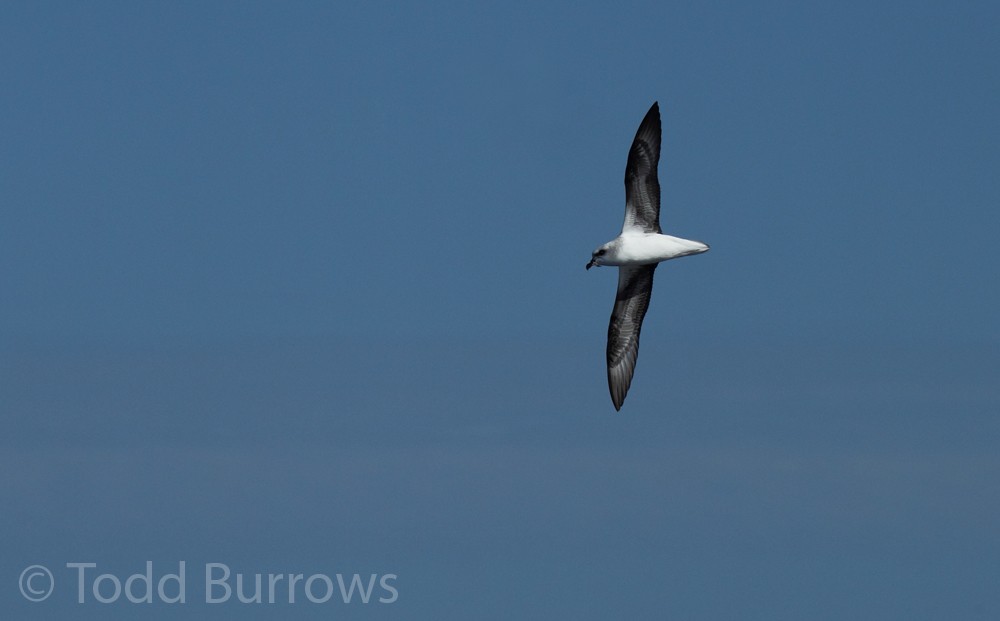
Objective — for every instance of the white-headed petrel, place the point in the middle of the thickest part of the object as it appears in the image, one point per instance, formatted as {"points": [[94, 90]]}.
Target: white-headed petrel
{"points": [[636, 251]]}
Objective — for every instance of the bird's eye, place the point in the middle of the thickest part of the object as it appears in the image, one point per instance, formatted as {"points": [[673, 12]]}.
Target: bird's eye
{"points": [[601, 251]]}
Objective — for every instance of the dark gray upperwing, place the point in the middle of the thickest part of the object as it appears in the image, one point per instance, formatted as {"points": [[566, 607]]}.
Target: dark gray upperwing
{"points": [[642, 187], [635, 284]]}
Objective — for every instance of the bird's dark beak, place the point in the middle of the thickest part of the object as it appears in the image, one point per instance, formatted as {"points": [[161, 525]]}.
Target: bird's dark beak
{"points": [[591, 264]]}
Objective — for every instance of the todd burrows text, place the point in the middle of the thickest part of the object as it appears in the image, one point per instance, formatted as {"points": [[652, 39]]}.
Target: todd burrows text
{"points": [[221, 585]]}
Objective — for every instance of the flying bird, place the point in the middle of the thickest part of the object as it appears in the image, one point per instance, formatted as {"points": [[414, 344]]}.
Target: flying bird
{"points": [[636, 252]]}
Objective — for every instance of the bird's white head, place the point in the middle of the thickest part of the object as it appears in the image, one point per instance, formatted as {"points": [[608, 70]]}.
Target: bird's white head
{"points": [[599, 255]]}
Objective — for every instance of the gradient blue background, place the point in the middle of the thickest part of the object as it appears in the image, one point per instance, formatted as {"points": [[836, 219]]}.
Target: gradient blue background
{"points": [[299, 287]]}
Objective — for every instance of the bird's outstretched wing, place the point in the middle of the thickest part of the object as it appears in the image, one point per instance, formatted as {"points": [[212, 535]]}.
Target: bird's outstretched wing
{"points": [[642, 187], [635, 284]]}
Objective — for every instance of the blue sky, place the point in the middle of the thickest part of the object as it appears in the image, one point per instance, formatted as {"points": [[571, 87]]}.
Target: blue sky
{"points": [[299, 288]]}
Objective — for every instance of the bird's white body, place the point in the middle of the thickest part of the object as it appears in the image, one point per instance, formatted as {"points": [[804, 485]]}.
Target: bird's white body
{"points": [[637, 248]]}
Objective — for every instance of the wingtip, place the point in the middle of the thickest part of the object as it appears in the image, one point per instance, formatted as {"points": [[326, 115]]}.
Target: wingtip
{"points": [[650, 122], [617, 400]]}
